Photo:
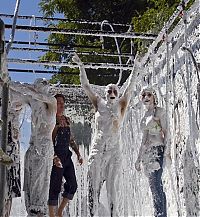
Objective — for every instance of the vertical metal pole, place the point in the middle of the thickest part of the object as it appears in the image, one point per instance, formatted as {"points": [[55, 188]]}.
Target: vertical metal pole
{"points": [[4, 117]]}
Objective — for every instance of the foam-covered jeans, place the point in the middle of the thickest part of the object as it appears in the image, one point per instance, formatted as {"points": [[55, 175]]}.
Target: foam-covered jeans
{"points": [[156, 186]]}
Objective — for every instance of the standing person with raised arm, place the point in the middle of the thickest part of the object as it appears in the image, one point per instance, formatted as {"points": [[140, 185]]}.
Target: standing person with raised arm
{"points": [[38, 158], [105, 154]]}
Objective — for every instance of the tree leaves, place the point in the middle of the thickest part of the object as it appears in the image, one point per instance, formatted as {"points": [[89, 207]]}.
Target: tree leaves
{"points": [[145, 15]]}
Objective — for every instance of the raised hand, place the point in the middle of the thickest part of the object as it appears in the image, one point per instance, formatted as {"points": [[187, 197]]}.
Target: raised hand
{"points": [[76, 59]]}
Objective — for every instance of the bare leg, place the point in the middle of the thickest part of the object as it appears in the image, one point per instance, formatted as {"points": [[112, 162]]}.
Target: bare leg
{"points": [[62, 206], [51, 211]]}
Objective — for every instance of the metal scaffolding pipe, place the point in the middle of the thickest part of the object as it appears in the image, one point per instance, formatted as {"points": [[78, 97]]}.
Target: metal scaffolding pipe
{"points": [[55, 45], [70, 65], [111, 74], [12, 35], [84, 32], [63, 20], [4, 117], [66, 51], [41, 71]]}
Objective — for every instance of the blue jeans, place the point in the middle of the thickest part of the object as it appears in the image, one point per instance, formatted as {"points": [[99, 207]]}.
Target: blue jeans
{"points": [[156, 186]]}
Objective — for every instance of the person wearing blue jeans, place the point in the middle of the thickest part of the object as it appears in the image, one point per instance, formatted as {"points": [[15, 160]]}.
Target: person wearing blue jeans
{"points": [[154, 148]]}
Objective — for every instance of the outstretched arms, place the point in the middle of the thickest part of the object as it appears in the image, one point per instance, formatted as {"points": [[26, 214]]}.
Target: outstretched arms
{"points": [[84, 81]]}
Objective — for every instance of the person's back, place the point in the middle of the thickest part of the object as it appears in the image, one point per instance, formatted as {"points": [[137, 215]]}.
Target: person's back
{"points": [[43, 122], [39, 155]]}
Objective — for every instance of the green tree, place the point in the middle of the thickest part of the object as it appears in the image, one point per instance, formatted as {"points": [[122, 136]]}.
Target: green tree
{"points": [[145, 15], [115, 11], [154, 18]]}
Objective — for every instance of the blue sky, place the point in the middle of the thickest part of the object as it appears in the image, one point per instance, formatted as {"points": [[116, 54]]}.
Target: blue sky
{"points": [[26, 8], [30, 8]]}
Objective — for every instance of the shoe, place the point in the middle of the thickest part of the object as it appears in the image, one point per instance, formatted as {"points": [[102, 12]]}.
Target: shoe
{"points": [[4, 158]]}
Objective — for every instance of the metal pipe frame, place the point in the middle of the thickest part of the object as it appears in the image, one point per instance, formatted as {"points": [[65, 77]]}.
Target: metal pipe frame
{"points": [[63, 20], [85, 32], [70, 65]]}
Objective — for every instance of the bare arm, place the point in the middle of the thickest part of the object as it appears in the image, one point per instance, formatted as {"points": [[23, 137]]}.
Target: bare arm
{"points": [[74, 146], [76, 149], [85, 83]]}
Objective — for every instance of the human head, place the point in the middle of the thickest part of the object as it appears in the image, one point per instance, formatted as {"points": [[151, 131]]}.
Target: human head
{"points": [[60, 103], [149, 96], [111, 92], [42, 85]]}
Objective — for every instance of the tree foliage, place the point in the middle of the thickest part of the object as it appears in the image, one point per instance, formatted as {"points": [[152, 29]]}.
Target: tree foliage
{"points": [[153, 19], [145, 15]]}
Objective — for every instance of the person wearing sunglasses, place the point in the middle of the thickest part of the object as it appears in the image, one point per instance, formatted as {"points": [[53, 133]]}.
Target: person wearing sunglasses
{"points": [[153, 148], [105, 154]]}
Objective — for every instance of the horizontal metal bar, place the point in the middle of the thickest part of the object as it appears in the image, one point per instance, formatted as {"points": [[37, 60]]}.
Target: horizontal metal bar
{"points": [[56, 72], [71, 52], [85, 32], [70, 65], [63, 20], [55, 45], [41, 71]]}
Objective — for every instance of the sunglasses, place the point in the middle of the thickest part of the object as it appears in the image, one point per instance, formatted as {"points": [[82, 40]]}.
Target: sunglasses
{"points": [[146, 94], [45, 82], [112, 91]]}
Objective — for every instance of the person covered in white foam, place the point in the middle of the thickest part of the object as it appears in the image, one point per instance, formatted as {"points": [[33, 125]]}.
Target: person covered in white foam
{"points": [[153, 148], [105, 154], [39, 156]]}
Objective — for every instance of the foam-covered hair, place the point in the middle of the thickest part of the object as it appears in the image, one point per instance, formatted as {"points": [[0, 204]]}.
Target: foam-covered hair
{"points": [[152, 91]]}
